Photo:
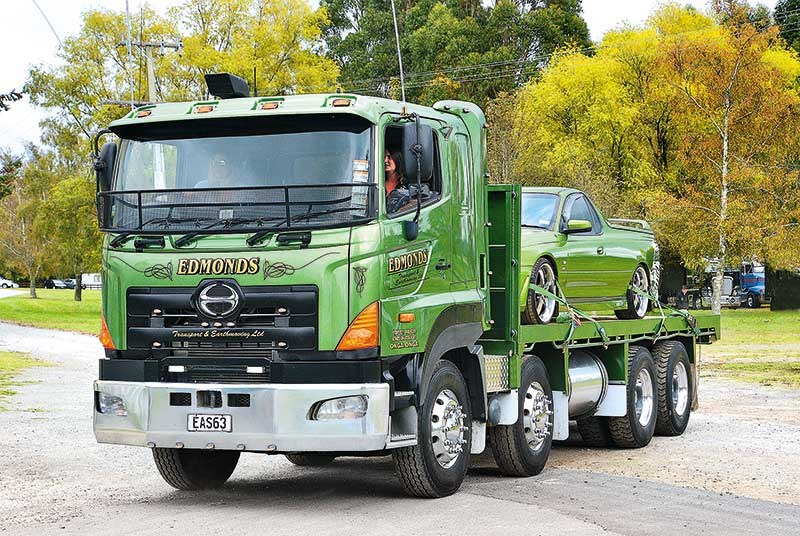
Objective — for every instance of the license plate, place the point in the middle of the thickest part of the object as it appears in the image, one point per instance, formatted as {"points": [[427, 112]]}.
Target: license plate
{"points": [[210, 423]]}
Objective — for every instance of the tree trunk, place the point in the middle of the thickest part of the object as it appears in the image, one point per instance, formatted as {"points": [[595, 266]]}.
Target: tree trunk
{"points": [[716, 296], [78, 286], [32, 278]]}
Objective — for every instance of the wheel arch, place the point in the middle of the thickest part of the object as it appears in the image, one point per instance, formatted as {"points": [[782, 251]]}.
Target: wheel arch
{"points": [[526, 277], [453, 337]]}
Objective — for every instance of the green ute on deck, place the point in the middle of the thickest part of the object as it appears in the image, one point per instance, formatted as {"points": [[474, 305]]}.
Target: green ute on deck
{"points": [[259, 297]]}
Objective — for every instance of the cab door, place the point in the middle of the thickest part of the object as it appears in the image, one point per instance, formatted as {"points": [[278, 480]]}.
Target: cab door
{"points": [[417, 273]]}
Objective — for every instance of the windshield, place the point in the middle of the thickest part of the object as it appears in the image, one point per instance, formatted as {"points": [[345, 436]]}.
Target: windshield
{"points": [[242, 175], [538, 210]]}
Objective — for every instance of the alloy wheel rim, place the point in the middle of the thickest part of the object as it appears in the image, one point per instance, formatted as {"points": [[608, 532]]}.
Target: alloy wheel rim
{"points": [[641, 282], [536, 414], [680, 388], [545, 278], [448, 429], [644, 397]]}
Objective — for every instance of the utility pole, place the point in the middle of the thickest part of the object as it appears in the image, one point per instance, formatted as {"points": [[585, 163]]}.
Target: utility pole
{"points": [[148, 47]]}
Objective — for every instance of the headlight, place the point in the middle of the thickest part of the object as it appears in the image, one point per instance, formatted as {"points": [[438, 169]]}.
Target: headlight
{"points": [[110, 404], [348, 407]]}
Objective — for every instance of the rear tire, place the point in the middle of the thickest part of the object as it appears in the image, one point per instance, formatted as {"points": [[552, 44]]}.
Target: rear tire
{"points": [[541, 309], [674, 379], [635, 430], [522, 448], [437, 464], [194, 469], [636, 304], [594, 432], [310, 460]]}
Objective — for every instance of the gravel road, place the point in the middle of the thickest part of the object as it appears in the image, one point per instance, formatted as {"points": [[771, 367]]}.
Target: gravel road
{"points": [[735, 471]]}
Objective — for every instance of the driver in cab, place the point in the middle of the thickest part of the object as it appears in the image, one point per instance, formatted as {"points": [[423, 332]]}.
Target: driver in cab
{"points": [[220, 173]]}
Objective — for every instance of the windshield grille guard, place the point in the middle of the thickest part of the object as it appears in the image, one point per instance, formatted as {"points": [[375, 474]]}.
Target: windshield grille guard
{"points": [[237, 209]]}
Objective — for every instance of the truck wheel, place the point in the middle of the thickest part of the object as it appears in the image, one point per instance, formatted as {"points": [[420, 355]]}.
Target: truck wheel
{"points": [[522, 448], [193, 469], [310, 460], [437, 464], [541, 309], [635, 430], [752, 301], [674, 387], [594, 432], [636, 303]]}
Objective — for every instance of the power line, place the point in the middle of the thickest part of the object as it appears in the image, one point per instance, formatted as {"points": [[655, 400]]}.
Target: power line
{"points": [[500, 68], [60, 42]]}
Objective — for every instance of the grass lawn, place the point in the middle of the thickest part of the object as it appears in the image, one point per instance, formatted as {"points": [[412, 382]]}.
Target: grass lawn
{"points": [[11, 364], [54, 308], [759, 346]]}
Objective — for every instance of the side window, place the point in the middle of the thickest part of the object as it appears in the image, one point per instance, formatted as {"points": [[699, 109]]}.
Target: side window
{"points": [[401, 192], [579, 208]]}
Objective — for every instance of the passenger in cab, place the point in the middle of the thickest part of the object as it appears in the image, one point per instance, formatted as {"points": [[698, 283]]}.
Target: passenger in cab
{"points": [[220, 173]]}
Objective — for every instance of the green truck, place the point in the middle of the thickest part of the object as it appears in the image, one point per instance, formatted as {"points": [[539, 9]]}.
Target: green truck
{"points": [[258, 297]]}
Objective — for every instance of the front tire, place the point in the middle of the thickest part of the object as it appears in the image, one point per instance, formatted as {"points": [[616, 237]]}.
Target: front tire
{"points": [[194, 469], [637, 305], [540, 309], [310, 460], [522, 448], [437, 464], [753, 302], [674, 387], [636, 428]]}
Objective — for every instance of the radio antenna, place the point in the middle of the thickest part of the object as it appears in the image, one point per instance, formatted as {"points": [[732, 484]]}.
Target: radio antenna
{"points": [[399, 55]]}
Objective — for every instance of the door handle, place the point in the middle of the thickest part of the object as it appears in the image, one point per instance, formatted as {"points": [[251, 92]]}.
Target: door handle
{"points": [[443, 265], [601, 250]]}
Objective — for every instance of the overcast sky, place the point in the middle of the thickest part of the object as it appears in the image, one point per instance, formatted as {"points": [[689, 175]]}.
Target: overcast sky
{"points": [[26, 39]]}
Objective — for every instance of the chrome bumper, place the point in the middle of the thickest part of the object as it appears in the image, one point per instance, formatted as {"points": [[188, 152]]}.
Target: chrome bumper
{"points": [[276, 421]]}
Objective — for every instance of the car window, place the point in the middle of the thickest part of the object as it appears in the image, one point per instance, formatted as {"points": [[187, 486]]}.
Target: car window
{"points": [[538, 210], [578, 207]]}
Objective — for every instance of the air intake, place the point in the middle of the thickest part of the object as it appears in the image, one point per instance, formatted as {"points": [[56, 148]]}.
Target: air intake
{"points": [[227, 86]]}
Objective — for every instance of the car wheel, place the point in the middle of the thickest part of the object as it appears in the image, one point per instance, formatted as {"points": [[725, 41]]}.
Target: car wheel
{"points": [[4, 285], [636, 303], [540, 309]]}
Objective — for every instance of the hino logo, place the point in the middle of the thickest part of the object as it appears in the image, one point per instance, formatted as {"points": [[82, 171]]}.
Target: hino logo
{"points": [[218, 300]]}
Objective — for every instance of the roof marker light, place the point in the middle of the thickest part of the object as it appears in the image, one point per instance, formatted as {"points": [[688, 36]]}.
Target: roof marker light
{"points": [[341, 102], [204, 109], [271, 105], [144, 113]]}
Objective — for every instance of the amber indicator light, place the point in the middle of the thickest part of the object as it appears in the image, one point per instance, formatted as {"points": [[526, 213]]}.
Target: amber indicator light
{"points": [[363, 331], [341, 102], [204, 109], [270, 105], [405, 318]]}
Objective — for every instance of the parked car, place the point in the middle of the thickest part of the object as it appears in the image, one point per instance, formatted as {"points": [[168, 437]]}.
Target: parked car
{"points": [[567, 243], [55, 283], [7, 283]]}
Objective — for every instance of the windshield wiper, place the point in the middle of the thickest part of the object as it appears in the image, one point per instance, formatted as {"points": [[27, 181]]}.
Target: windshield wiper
{"points": [[258, 237], [225, 223], [126, 235], [532, 226]]}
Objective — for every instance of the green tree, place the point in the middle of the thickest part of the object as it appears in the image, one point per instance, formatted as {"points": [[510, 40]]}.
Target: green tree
{"points": [[71, 226], [23, 242], [787, 16], [450, 49]]}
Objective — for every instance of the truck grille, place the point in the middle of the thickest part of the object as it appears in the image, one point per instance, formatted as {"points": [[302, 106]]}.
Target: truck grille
{"points": [[271, 317]]}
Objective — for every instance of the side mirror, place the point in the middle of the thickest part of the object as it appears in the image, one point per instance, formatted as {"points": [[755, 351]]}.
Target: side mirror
{"points": [[578, 226], [415, 134], [104, 166]]}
